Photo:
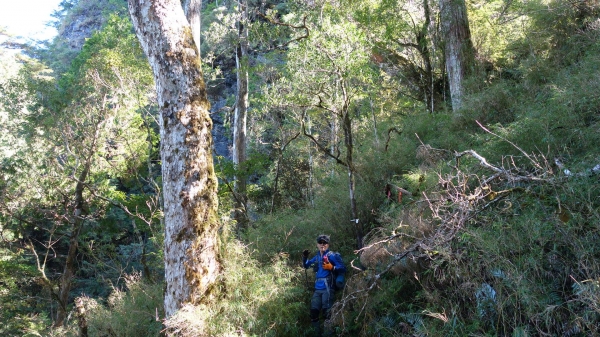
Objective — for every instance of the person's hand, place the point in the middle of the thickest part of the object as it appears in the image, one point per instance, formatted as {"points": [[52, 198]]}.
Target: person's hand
{"points": [[327, 266], [305, 253]]}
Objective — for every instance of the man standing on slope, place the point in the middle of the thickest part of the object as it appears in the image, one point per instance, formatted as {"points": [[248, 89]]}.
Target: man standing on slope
{"points": [[325, 264]]}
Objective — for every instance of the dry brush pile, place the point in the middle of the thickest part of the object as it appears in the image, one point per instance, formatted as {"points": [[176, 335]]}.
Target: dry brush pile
{"points": [[422, 246]]}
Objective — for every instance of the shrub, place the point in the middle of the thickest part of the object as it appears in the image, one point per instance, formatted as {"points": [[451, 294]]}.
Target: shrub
{"points": [[255, 299], [131, 313]]}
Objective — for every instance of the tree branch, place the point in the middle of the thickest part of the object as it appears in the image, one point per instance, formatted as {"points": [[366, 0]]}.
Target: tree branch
{"points": [[322, 148], [279, 23], [389, 136]]}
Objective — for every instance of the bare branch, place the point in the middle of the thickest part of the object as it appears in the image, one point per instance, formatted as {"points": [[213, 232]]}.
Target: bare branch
{"points": [[460, 200], [322, 148], [535, 163], [279, 23]]}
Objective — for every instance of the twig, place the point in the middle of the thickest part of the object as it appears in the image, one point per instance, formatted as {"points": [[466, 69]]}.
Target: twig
{"points": [[460, 203], [535, 163], [279, 23], [388, 239]]}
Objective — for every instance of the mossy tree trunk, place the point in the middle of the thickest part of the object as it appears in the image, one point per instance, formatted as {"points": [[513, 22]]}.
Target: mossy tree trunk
{"points": [[459, 51], [189, 182]]}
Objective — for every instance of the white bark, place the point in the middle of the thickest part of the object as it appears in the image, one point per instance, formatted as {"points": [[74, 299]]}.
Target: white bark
{"points": [[189, 181]]}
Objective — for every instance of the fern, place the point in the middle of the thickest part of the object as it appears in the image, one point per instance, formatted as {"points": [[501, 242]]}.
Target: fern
{"points": [[486, 303], [416, 321]]}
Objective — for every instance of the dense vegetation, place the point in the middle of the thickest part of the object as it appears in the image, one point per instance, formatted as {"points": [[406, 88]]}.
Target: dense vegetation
{"points": [[481, 221]]}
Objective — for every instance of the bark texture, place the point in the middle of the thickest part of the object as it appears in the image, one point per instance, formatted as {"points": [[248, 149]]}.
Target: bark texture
{"points": [[69, 270], [349, 143], [189, 181], [240, 118], [193, 13], [459, 52]]}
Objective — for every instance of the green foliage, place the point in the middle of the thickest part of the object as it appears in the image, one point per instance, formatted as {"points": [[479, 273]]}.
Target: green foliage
{"points": [[76, 21], [521, 271], [516, 262], [498, 103], [257, 299], [524, 264], [134, 311], [20, 307], [89, 129], [291, 176], [495, 28]]}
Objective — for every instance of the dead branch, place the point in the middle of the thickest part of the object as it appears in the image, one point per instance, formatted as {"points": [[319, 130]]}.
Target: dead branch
{"points": [[498, 170], [463, 197], [385, 240], [534, 162]]}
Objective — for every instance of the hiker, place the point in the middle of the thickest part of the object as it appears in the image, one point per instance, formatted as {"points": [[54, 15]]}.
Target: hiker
{"points": [[326, 264]]}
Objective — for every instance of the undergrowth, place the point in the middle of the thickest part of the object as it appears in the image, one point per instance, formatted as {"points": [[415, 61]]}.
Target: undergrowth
{"points": [[266, 298], [525, 262]]}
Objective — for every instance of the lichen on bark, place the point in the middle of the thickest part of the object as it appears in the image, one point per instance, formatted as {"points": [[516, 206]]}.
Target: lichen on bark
{"points": [[189, 183]]}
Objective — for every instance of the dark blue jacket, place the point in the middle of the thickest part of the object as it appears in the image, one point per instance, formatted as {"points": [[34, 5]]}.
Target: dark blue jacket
{"points": [[323, 274]]}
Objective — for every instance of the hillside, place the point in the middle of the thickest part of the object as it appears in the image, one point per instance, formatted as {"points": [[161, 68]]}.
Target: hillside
{"points": [[469, 217]]}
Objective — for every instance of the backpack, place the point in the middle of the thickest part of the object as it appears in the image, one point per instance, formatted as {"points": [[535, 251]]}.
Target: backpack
{"points": [[337, 278]]}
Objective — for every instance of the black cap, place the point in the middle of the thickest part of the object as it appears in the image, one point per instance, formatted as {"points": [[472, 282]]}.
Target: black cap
{"points": [[323, 238]]}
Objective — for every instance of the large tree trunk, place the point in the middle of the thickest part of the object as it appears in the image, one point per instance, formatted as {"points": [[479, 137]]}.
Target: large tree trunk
{"points": [[240, 118], [189, 181], [459, 52]]}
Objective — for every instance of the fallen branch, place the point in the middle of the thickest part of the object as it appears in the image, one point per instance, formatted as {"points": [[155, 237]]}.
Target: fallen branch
{"points": [[535, 163], [460, 202], [499, 171]]}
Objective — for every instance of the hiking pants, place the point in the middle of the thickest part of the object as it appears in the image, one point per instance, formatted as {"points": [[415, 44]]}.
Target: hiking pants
{"points": [[321, 300]]}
